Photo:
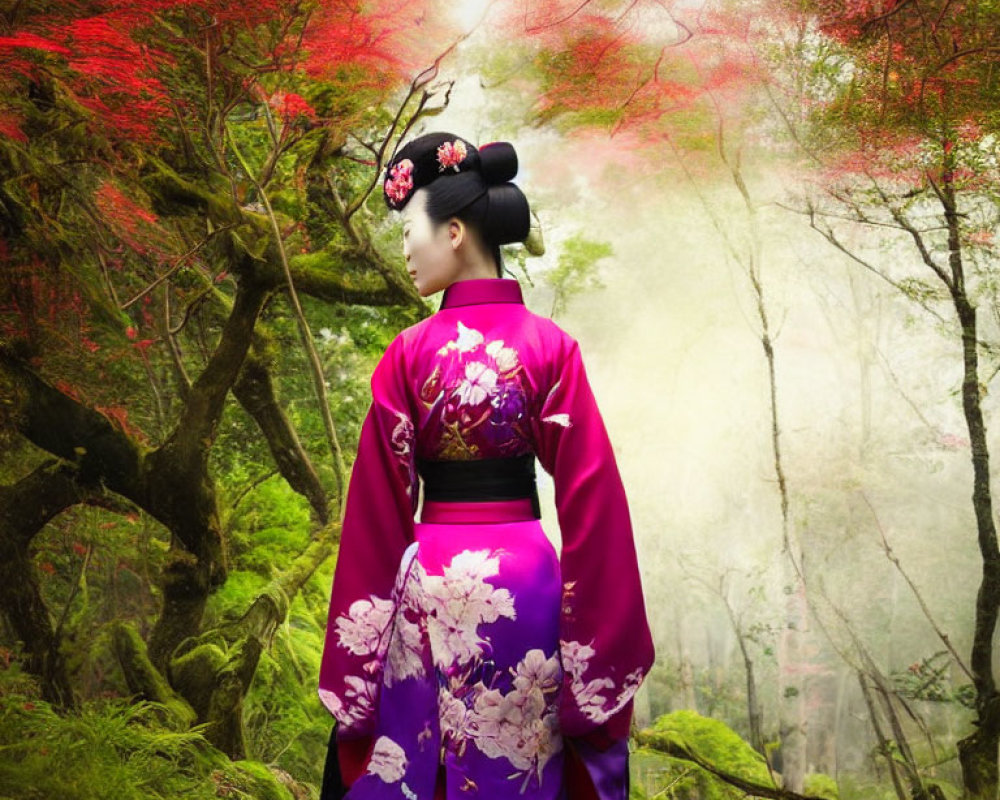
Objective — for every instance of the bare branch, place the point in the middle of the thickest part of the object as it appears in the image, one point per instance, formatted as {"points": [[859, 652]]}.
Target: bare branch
{"points": [[887, 548]]}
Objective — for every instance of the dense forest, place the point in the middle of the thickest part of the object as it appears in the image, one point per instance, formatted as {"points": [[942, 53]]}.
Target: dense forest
{"points": [[772, 223]]}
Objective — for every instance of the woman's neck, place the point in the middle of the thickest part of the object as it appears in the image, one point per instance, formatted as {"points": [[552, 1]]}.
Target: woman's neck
{"points": [[476, 264]]}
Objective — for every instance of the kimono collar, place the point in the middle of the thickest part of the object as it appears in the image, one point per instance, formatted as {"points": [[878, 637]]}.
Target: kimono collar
{"points": [[482, 290]]}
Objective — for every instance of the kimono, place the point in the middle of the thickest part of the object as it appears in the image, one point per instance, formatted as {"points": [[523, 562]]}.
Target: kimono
{"points": [[464, 656]]}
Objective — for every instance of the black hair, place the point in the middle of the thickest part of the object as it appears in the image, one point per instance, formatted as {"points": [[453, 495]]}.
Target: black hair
{"points": [[477, 190]]}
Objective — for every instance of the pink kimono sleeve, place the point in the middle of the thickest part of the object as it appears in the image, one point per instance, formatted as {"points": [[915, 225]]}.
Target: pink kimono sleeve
{"points": [[377, 528], [605, 641]]}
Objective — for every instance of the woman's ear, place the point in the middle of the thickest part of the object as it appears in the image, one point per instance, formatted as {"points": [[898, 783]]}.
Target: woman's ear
{"points": [[456, 232]]}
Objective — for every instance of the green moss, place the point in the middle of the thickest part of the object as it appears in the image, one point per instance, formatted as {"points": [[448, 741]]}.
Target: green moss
{"points": [[819, 784], [706, 740], [260, 781], [235, 596], [194, 674], [714, 742]]}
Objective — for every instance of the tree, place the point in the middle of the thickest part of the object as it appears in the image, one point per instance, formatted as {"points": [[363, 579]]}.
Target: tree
{"points": [[902, 125], [171, 172]]}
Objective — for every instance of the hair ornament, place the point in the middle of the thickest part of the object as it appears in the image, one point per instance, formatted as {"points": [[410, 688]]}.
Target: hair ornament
{"points": [[400, 181], [451, 154], [535, 243], [468, 174]]}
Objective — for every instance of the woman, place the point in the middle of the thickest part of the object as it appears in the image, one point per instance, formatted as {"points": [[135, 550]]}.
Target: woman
{"points": [[464, 657]]}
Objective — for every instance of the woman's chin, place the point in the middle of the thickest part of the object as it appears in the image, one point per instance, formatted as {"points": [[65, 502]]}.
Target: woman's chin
{"points": [[427, 289]]}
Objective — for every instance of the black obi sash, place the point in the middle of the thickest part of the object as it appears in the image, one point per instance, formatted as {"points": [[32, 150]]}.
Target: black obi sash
{"points": [[479, 480]]}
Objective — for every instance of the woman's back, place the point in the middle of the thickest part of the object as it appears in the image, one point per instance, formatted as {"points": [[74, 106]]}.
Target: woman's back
{"points": [[479, 371]]}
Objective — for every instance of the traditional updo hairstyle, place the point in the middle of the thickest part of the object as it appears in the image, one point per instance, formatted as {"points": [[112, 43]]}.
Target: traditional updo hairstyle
{"points": [[464, 182]]}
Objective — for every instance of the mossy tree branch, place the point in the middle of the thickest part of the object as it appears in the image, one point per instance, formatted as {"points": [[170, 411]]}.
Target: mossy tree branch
{"points": [[257, 394], [25, 508], [675, 748]]}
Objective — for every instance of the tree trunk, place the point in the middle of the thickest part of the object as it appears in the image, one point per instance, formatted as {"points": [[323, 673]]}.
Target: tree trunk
{"points": [[25, 508], [791, 684], [977, 752]]}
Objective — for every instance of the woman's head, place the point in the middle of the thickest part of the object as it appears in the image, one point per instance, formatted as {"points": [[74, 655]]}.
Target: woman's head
{"points": [[468, 201]]}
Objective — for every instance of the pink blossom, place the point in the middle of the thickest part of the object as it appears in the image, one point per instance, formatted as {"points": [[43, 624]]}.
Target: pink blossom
{"points": [[400, 181], [451, 154]]}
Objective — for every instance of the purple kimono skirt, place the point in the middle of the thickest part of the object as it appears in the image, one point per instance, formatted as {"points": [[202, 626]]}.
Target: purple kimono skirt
{"points": [[469, 699]]}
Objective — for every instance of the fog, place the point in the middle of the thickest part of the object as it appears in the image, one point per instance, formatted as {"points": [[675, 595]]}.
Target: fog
{"points": [[872, 436]]}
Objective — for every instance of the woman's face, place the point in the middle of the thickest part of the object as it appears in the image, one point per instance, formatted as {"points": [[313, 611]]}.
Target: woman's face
{"points": [[430, 255]]}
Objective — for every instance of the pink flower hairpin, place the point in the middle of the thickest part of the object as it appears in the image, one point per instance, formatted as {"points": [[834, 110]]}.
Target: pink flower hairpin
{"points": [[400, 181], [451, 154]]}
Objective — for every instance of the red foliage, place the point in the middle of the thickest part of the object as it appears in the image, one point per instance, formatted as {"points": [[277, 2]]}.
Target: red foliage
{"points": [[382, 40], [648, 73], [110, 73], [290, 106], [115, 59], [133, 224], [118, 416], [938, 56], [10, 126], [37, 303]]}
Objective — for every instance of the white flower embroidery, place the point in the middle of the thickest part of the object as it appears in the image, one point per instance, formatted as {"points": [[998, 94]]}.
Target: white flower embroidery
{"points": [[388, 760], [587, 694], [559, 419], [458, 601], [479, 381], [407, 642], [402, 436], [333, 703], [589, 698], [447, 609], [404, 659], [575, 657], [505, 357], [443, 612], [468, 339], [522, 726], [631, 685], [360, 703], [402, 447], [537, 670], [453, 714], [361, 630]]}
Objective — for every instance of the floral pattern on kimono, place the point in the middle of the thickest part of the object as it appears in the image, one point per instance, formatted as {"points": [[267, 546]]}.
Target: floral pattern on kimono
{"points": [[475, 400], [444, 613]]}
